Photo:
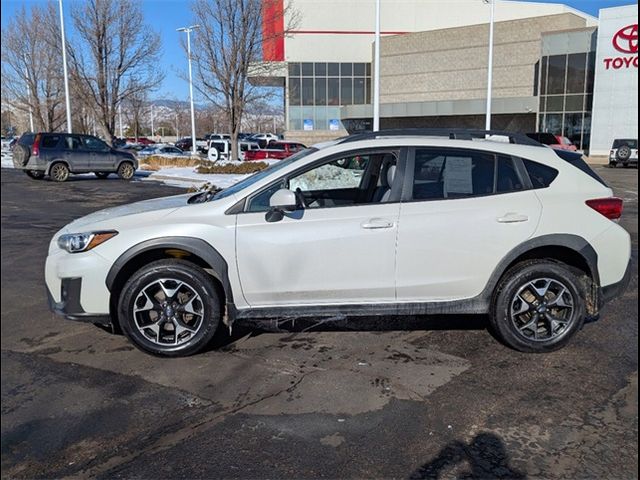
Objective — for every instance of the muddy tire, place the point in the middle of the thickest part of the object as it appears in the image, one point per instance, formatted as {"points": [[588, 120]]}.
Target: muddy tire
{"points": [[538, 306]]}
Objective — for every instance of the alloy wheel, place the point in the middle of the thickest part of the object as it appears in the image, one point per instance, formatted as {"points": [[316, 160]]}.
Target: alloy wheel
{"points": [[59, 172], [542, 310], [168, 312]]}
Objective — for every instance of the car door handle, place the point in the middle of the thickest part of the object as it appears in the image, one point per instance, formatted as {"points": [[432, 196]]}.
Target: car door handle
{"points": [[513, 218], [376, 223]]}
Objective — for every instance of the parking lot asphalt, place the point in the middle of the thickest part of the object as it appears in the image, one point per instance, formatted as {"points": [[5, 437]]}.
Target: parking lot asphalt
{"points": [[388, 397]]}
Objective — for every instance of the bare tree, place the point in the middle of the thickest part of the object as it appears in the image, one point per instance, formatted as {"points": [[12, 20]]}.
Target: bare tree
{"points": [[226, 46], [135, 108], [31, 68], [116, 58]]}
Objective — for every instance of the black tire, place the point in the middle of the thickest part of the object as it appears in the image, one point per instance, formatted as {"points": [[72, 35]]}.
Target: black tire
{"points": [[625, 165], [169, 273], [126, 170], [35, 174], [59, 172], [613, 164], [512, 329], [623, 153], [101, 175], [21, 155]]}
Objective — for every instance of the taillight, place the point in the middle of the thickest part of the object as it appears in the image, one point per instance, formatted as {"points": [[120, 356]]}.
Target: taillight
{"points": [[35, 148], [610, 207]]}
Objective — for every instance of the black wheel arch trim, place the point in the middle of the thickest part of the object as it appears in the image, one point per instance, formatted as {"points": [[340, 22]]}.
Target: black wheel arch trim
{"points": [[573, 242], [195, 246]]}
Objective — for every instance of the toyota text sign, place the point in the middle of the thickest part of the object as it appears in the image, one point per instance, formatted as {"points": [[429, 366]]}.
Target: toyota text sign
{"points": [[624, 41]]}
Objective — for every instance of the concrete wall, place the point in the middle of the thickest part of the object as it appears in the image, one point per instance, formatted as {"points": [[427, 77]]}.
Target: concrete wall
{"points": [[342, 30], [451, 64], [615, 101], [311, 137]]}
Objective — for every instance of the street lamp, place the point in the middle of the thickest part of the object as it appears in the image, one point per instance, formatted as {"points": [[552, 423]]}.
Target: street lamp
{"points": [[188, 31], [490, 64], [64, 64], [376, 72]]}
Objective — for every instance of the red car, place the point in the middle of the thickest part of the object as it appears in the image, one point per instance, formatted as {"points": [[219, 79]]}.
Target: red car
{"points": [[274, 150], [554, 141], [139, 140]]}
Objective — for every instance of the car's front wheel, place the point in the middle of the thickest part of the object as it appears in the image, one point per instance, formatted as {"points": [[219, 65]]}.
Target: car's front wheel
{"points": [[170, 308], [126, 171], [538, 306]]}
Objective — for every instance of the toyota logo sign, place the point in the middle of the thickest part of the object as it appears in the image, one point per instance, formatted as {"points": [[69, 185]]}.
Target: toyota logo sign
{"points": [[626, 39]]}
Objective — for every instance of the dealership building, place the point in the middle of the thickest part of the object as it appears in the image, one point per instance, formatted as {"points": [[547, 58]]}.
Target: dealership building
{"points": [[555, 69]]}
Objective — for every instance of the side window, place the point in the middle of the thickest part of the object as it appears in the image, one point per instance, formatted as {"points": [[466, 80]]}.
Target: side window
{"points": [[91, 143], [508, 179], [455, 173], [356, 179], [72, 142], [337, 175], [50, 141], [541, 176]]}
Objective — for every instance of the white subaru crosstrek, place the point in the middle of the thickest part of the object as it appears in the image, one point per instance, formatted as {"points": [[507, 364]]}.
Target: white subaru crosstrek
{"points": [[392, 223]]}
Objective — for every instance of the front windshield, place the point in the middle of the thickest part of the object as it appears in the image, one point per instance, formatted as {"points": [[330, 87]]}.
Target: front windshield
{"points": [[256, 177]]}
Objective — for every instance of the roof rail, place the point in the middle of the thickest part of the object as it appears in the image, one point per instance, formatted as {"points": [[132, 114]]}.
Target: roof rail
{"points": [[452, 133]]}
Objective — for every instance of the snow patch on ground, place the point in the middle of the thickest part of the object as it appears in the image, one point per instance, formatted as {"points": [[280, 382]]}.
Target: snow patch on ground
{"points": [[188, 177], [7, 159]]}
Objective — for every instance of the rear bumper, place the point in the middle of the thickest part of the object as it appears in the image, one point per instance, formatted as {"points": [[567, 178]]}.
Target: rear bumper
{"points": [[614, 290], [69, 305]]}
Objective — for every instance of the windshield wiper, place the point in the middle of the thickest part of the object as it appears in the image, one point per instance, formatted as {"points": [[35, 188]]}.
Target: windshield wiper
{"points": [[205, 195]]}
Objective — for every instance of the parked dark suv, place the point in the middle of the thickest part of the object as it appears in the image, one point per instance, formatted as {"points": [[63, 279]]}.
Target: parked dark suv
{"points": [[59, 154]]}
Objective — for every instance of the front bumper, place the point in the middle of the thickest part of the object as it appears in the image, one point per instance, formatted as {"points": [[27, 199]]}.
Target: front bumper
{"points": [[69, 305]]}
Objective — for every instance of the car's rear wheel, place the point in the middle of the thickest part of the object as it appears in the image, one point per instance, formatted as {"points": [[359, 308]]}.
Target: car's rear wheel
{"points": [[59, 172], [101, 175], [126, 171], [538, 306], [613, 164], [170, 308], [35, 174]]}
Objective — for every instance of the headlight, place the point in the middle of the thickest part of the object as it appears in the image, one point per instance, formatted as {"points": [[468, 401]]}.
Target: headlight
{"points": [[83, 242]]}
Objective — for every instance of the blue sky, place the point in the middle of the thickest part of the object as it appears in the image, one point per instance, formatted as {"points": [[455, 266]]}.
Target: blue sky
{"points": [[167, 15]]}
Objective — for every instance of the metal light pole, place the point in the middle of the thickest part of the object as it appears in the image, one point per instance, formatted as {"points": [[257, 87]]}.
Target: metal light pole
{"points": [[26, 77], [490, 64], [153, 131], [120, 119], [188, 31], [376, 72], [64, 65]]}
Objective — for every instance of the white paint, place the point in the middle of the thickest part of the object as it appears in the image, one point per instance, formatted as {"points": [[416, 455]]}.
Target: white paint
{"points": [[399, 16], [615, 97]]}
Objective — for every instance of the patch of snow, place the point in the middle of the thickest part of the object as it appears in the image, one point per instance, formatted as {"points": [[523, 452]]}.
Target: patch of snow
{"points": [[188, 177], [7, 158]]}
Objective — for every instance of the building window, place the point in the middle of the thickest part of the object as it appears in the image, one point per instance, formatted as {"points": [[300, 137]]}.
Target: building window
{"points": [[566, 95], [319, 85]]}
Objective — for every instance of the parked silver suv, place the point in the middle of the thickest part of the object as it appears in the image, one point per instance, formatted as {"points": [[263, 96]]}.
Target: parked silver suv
{"points": [[60, 154]]}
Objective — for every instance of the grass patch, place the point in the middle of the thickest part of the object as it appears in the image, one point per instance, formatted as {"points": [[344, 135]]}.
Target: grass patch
{"points": [[233, 168], [166, 161]]}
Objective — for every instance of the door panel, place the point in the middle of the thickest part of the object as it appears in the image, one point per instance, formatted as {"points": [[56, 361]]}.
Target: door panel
{"points": [[448, 249], [319, 256]]}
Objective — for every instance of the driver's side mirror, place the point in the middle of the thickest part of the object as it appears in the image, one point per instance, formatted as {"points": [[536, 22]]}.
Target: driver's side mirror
{"points": [[282, 200]]}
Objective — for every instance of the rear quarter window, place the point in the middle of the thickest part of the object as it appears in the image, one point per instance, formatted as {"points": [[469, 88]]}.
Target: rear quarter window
{"points": [[541, 175]]}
